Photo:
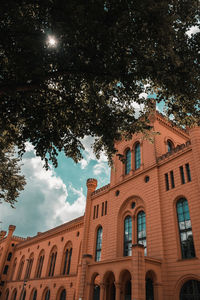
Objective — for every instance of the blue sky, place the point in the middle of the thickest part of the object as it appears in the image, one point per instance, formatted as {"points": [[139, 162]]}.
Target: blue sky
{"points": [[53, 197], [56, 196]]}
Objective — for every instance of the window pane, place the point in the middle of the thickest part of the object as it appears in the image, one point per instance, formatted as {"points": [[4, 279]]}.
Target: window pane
{"points": [[185, 229], [128, 236], [99, 244], [141, 229], [128, 162], [137, 156]]}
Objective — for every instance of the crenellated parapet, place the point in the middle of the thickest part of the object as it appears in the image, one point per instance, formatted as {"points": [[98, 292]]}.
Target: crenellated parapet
{"points": [[91, 184], [177, 149], [103, 188]]}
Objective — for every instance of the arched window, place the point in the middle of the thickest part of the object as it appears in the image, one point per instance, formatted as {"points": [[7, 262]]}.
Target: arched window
{"points": [[137, 156], [69, 263], [23, 297], [170, 146], [5, 271], [34, 297], [128, 161], [13, 270], [190, 290], [14, 296], [9, 256], [21, 266], [128, 236], [47, 295], [67, 259], [7, 295], [141, 230], [185, 229], [40, 265], [29, 267], [149, 289], [63, 295], [99, 244], [52, 262]]}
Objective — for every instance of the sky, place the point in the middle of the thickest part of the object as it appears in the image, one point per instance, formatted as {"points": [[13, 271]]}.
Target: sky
{"points": [[53, 197]]}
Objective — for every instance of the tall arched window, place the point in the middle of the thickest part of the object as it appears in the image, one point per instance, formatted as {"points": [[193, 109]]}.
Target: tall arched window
{"points": [[149, 289], [5, 271], [7, 295], [23, 295], [185, 229], [21, 266], [14, 295], [63, 295], [137, 156], [128, 236], [29, 266], [40, 264], [170, 146], [9, 256], [190, 290], [67, 259], [128, 161], [141, 229], [13, 270], [69, 262], [99, 244], [47, 295], [34, 297], [52, 262]]}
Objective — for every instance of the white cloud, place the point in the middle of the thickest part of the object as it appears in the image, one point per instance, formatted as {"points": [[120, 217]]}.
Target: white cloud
{"points": [[88, 154], [138, 107], [73, 210], [44, 202], [193, 30], [100, 167]]}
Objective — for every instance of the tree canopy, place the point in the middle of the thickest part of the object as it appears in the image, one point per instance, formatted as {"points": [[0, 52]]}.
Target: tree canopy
{"points": [[105, 53]]}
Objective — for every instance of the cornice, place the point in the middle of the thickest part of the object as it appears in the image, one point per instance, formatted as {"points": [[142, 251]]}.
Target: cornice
{"points": [[164, 121], [66, 227]]}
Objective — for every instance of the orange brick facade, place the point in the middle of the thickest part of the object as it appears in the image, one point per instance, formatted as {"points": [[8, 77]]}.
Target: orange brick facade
{"points": [[139, 236]]}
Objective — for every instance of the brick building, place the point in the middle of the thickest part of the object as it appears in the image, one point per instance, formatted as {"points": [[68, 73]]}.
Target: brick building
{"points": [[139, 238]]}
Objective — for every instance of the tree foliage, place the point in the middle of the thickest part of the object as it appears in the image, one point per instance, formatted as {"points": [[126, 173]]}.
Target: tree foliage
{"points": [[107, 53]]}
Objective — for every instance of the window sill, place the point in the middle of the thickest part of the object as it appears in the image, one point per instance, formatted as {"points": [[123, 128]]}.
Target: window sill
{"points": [[186, 259]]}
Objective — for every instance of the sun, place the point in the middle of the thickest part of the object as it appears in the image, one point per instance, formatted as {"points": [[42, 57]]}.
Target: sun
{"points": [[51, 41]]}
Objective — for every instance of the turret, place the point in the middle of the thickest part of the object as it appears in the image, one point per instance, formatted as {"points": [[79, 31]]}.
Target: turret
{"points": [[8, 238], [86, 257]]}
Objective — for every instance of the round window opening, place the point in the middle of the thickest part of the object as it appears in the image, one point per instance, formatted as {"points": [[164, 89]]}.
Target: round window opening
{"points": [[146, 179]]}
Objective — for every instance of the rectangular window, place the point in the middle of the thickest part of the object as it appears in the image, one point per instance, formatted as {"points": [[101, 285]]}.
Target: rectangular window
{"points": [[182, 175], [105, 208], [172, 179], [94, 213], [102, 208], [167, 182], [97, 211], [187, 166]]}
